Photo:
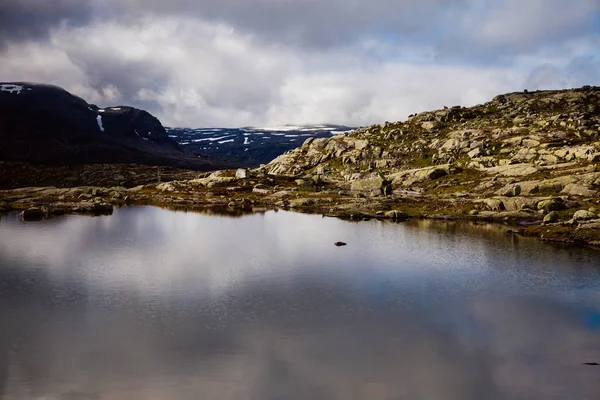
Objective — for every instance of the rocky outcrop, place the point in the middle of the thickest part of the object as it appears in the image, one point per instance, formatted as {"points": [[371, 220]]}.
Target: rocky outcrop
{"points": [[47, 124], [518, 144]]}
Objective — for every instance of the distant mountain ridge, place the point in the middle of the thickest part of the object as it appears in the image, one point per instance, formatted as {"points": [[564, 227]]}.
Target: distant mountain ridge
{"points": [[249, 146]]}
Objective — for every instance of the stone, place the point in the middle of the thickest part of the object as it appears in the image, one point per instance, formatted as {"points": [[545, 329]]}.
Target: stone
{"points": [[510, 191], [494, 204], [303, 183], [554, 204], [551, 217], [513, 170], [584, 215], [430, 125], [241, 173], [260, 190], [577, 189], [367, 184], [476, 152], [397, 215], [301, 203]]}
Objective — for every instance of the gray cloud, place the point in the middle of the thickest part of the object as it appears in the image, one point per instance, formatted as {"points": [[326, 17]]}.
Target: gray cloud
{"points": [[240, 62], [26, 19]]}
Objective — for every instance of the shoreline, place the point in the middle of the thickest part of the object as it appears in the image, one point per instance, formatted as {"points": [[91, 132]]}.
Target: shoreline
{"points": [[223, 193]]}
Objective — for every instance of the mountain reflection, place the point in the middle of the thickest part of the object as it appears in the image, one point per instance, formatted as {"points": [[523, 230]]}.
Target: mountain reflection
{"points": [[154, 304]]}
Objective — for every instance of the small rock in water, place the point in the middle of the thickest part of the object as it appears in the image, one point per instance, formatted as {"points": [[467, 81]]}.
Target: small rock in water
{"points": [[591, 363], [338, 244]]}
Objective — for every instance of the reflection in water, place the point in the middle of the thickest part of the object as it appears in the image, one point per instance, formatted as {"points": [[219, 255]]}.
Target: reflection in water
{"points": [[154, 304]]}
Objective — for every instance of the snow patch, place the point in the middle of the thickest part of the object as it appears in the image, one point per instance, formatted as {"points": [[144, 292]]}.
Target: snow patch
{"points": [[99, 120], [226, 141], [246, 141], [211, 139], [11, 88], [281, 128], [101, 110], [116, 108]]}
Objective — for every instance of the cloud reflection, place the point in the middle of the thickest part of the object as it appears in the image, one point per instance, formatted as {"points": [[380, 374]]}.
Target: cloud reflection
{"points": [[154, 304]]}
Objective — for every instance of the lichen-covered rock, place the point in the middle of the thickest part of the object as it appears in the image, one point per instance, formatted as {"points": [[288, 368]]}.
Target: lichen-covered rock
{"points": [[375, 183], [553, 204], [551, 217], [584, 215]]}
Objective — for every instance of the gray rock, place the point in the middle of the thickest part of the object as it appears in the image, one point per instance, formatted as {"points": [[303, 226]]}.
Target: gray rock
{"points": [[584, 215], [551, 217], [577, 189], [554, 204], [494, 204], [510, 190], [397, 215], [304, 183], [367, 184], [241, 173], [301, 203]]}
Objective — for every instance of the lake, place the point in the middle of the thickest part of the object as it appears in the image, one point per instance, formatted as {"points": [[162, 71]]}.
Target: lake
{"points": [[155, 304]]}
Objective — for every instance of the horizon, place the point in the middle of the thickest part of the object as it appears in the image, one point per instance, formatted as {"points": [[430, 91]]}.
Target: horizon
{"points": [[298, 62]]}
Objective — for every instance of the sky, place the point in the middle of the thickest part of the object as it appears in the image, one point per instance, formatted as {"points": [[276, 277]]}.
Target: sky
{"points": [[233, 63]]}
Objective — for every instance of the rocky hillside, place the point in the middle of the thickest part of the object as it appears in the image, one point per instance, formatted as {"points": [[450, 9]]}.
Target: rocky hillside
{"points": [[47, 124], [532, 143]]}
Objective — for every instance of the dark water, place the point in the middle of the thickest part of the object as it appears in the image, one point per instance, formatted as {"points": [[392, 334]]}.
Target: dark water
{"points": [[154, 304]]}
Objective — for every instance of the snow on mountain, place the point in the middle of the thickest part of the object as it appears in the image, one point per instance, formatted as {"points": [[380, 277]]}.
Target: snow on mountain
{"points": [[249, 146]]}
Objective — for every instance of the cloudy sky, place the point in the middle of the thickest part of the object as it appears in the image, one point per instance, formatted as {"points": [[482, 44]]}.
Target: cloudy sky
{"points": [[269, 62]]}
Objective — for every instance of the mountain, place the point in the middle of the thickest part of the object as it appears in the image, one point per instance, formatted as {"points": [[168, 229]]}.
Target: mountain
{"points": [[249, 146], [46, 124]]}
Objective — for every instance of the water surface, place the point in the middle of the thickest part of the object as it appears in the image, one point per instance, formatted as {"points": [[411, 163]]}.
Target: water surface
{"points": [[154, 304]]}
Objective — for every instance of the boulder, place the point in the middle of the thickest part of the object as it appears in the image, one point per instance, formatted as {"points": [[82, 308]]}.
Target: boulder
{"points": [[513, 170], [551, 217], [584, 215], [554, 204], [510, 190], [412, 176], [577, 189], [397, 215], [297, 203], [304, 183], [368, 184], [494, 204], [241, 173]]}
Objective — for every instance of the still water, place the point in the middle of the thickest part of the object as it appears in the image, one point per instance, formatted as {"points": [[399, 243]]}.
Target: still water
{"points": [[155, 304]]}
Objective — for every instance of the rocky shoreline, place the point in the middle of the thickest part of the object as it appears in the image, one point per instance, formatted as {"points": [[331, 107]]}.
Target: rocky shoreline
{"points": [[566, 219], [528, 160]]}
